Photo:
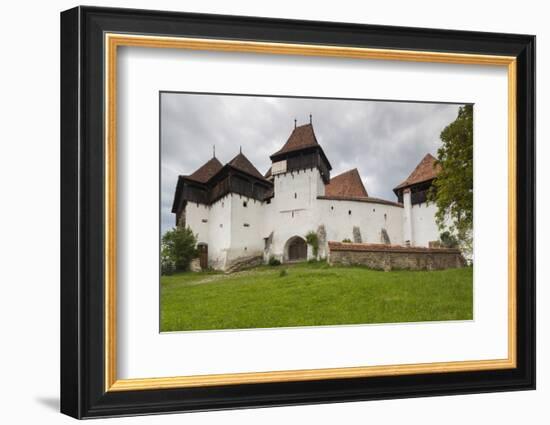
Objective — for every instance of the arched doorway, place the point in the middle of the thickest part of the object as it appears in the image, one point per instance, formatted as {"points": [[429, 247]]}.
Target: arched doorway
{"points": [[296, 249]]}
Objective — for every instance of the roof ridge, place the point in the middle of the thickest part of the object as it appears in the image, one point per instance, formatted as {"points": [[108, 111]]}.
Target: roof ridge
{"points": [[242, 163], [301, 137], [427, 169], [347, 184], [206, 171]]}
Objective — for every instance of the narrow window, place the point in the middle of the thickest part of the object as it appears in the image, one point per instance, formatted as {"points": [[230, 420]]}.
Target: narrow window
{"points": [[331, 208], [385, 216], [295, 195], [374, 210], [245, 204], [349, 212], [221, 225]]}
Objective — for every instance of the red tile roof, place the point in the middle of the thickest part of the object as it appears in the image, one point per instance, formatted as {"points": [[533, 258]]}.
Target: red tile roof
{"points": [[347, 184], [241, 162], [206, 171], [300, 138], [426, 170]]}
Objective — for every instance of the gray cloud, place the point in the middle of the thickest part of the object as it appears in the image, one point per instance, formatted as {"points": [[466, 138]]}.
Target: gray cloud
{"points": [[383, 140]]}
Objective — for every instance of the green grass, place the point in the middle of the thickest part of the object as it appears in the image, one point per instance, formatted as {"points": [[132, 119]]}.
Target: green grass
{"points": [[312, 295]]}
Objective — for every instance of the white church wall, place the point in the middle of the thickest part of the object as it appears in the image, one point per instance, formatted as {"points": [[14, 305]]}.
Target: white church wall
{"points": [[371, 218], [297, 190], [246, 227], [292, 210], [220, 232], [424, 227], [197, 217], [407, 218]]}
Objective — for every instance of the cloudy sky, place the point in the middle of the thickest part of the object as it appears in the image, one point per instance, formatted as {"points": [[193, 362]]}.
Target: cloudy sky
{"points": [[383, 140]]}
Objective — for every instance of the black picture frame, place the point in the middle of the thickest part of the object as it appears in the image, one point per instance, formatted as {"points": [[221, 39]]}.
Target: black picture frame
{"points": [[82, 218]]}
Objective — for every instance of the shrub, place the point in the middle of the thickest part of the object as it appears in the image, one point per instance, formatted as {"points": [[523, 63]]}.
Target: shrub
{"points": [[273, 261], [448, 240], [283, 273], [347, 240], [178, 247], [313, 240], [167, 266]]}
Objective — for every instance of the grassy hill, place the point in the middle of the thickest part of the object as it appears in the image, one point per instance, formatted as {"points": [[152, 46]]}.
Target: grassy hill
{"points": [[312, 295]]}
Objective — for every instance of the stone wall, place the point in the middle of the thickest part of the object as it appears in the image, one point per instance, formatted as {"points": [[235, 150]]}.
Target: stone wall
{"points": [[393, 257]]}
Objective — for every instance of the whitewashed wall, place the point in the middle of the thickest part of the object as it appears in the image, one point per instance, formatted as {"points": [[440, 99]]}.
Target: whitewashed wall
{"points": [[246, 240], [293, 208], [371, 218], [424, 227], [194, 216], [220, 232], [294, 211]]}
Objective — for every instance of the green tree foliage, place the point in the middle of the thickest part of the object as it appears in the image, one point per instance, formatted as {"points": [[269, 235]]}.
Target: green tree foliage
{"points": [[453, 189], [448, 240], [313, 240], [179, 247]]}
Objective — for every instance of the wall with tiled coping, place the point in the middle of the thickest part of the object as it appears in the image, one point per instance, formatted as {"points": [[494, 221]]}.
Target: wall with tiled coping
{"points": [[393, 257]]}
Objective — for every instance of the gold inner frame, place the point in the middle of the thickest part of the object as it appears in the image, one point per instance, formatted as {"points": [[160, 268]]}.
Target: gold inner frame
{"points": [[113, 41]]}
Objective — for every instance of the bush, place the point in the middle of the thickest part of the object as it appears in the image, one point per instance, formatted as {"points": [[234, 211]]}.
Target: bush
{"points": [[273, 261], [178, 247], [448, 240], [167, 266], [283, 273], [347, 240], [313, 240]]}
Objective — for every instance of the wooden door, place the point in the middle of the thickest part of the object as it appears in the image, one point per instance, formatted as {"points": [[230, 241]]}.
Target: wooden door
{"points": [[203, 255], [297, 250]]}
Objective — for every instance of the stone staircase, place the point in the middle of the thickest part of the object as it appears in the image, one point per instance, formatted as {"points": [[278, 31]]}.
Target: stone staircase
{"points": [[243, 263]]}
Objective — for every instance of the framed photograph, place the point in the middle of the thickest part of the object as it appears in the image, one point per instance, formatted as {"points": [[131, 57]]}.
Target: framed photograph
{"points": [[261, 212]]}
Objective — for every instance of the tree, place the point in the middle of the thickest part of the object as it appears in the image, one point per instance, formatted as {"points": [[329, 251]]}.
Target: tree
{"points": [[453, 190], [179, 247], [313, 240]]}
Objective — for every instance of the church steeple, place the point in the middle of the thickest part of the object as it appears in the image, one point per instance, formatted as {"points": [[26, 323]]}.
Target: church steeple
{"points": [[302, 151]]}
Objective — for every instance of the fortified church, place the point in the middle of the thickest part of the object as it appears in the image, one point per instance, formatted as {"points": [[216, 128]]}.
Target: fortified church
{"points": [[239, 214]]}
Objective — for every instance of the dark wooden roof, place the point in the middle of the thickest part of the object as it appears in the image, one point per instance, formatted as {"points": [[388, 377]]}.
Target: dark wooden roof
{"points": [[300, 138], [241, 163], [206, 171], [426, 170], [347, 184]]}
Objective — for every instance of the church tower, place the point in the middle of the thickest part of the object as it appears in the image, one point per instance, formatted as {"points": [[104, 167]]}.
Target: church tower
{"points": [[301, 152]]}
